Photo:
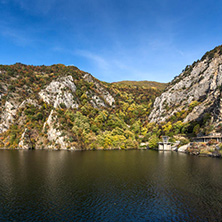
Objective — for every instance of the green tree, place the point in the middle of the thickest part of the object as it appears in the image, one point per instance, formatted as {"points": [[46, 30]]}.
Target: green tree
{"points": [[153, 142]]}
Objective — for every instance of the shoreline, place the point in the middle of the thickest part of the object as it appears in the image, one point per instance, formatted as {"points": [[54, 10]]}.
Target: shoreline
{"points": [[198, 154], [110, 149]]}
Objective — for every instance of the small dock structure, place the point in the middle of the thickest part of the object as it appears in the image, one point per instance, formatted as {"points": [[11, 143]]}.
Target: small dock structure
{"points": [[165, 145], [204, 139]]}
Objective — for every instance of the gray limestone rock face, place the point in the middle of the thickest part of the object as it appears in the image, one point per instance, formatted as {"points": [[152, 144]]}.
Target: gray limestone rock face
{"points": [[55, 135], [25, 142], [200, 82], [8, 115], [60, 91], [103, 92], [183, 148]]}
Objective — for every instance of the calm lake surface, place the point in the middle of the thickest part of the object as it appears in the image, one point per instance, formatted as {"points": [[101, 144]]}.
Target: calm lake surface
{"points": [[109, 186]]}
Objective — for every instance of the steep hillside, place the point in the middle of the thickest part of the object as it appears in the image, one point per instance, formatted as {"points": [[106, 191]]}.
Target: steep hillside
{"points": [[62, 107], [143, 84], [194, 96]]}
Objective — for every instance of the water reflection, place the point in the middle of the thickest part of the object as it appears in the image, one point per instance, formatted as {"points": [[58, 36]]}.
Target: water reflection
{"points": [[111, 185]]}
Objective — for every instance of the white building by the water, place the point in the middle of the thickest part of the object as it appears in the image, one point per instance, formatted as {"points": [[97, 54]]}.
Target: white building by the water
{"points": [[165, 145]]}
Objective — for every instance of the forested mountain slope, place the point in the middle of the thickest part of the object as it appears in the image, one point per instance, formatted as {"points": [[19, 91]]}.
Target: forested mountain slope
{"points": [[143, 84], [62, 107]]}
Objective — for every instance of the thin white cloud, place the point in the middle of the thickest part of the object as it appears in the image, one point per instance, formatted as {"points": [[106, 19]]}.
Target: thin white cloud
{"points": [[112, 67], [180, 52], [27, 35], [17, 36], [96, 59]]}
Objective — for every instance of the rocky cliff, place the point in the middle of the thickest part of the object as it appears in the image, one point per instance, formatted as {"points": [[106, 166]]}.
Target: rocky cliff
{"points": [[194, 95]]}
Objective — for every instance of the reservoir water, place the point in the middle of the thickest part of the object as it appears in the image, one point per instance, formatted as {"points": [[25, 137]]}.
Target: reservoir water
{"points": [[109, 186]]}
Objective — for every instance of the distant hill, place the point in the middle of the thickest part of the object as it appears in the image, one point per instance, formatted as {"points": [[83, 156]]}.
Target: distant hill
{"points": [[145, 84]]}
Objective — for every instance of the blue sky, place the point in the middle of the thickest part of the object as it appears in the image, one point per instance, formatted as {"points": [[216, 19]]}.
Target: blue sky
{"points": [[112, 39]]}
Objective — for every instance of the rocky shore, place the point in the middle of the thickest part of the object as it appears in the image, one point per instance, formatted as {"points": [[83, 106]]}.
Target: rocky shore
{"points": [[211, 149]]}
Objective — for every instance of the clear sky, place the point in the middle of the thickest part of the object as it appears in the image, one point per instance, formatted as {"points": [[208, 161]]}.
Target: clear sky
{"points": [[111, 39]]}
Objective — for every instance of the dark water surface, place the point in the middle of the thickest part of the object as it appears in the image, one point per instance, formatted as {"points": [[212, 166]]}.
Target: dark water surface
{"points": [[109, 186]]}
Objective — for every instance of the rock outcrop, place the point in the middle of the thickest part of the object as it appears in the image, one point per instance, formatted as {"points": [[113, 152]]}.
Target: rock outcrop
{"points": [[54, 134], [8, 115], [106, 96], [194, 93], [60, 92]]}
